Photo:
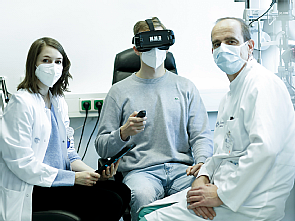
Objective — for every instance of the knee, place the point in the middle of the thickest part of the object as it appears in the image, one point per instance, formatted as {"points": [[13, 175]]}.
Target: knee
{"points": [[144, 195], [124, 191], [144, 189]]}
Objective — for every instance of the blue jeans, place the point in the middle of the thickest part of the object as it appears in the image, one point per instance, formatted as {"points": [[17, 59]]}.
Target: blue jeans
{"points": [[156, 182]]}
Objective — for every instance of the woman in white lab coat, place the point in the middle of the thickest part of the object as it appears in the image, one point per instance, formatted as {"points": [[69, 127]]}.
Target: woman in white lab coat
{"points": [[34, 148]]}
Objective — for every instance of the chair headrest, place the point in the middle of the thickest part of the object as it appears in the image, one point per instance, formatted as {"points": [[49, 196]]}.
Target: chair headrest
{"points": [[127, 61]]}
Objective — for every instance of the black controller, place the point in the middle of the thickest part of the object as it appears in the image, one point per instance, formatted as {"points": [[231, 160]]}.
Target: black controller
{"points": [[141, 114], [115, 158]]}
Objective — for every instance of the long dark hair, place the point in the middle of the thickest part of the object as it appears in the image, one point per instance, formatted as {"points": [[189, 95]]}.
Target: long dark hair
{"points": [[30, 81]]}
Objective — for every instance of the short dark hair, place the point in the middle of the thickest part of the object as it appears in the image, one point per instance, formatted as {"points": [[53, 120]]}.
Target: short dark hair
{"points": [[244, 27], [31, 80]]}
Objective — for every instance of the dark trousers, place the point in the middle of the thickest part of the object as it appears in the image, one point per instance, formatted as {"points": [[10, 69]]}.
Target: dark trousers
{"points": [[107, 200]]}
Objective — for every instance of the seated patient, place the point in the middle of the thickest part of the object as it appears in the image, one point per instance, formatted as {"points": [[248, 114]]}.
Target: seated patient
{"points": [[174, 134], [251, 173], [35, 157]]}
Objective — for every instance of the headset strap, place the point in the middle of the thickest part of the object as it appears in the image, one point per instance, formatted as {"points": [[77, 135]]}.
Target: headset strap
{"points": [[150, 24]]}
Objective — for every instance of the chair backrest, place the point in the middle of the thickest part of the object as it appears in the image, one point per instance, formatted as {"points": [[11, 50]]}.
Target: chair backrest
{"points": [[127, 62]]}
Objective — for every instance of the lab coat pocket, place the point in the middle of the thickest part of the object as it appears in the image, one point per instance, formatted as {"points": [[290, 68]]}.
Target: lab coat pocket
{"points": [[233, 137], [10, 181], [12, 203], [224, 171]]}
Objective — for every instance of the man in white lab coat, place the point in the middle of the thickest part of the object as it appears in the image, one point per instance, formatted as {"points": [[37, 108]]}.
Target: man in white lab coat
{"points": [[251, 173]]}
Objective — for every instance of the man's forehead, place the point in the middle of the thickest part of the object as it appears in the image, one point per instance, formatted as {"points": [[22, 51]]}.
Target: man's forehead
{"points": [[228, 22], [228, 28]]}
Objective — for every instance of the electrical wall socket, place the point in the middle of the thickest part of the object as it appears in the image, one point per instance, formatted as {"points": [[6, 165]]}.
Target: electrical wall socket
{"points": [[92, 102], [82, 108], [95, 101]]}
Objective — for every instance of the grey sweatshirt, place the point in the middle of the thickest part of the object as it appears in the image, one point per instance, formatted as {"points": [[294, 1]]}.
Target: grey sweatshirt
{"points": [[176, 129]]}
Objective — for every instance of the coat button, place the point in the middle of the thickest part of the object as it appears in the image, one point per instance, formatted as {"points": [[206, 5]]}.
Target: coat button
{"points": [[27, 195]]}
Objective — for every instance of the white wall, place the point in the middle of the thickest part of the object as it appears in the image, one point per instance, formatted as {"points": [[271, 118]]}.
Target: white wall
{"points": [[93, 31]]}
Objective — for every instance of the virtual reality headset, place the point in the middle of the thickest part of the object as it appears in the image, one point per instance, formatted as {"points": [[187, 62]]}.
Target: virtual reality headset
{"points": [[161, 39]]}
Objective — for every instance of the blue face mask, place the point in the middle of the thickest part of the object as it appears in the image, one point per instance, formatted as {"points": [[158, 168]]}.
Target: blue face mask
{"points": [[228, 59]]}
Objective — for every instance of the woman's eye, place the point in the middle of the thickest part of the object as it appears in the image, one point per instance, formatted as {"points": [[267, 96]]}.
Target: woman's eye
{"points": [[45, 60], [57, 62]]}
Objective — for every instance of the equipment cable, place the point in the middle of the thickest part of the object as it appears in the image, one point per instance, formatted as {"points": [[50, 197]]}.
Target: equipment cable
{"points": [[86, 106], [273, 2], [99, 106]]}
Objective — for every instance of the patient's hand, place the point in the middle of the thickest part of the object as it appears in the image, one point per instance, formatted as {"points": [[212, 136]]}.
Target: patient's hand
{"points": [[194, 170], [133, 126], [202, 199]]}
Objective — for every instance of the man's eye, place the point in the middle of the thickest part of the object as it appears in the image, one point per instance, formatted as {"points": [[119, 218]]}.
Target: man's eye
{"points": [[216, 45], [232, 42]]}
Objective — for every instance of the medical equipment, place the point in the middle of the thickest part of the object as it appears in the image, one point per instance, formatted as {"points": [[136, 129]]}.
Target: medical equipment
{"points": [[161, 39], [115, 158], [4, 94], [273, 27]]}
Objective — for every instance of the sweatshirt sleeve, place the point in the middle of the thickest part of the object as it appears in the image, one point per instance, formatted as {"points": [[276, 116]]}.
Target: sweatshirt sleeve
{"points": [[108, 141], [200, 137]]}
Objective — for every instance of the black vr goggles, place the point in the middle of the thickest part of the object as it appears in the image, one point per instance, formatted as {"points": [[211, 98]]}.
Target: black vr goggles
{"points": [[161, 39]]}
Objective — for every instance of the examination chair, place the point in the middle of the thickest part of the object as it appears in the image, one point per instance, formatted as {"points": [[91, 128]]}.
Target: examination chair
{"points": [[126, 63], [54, 215]]}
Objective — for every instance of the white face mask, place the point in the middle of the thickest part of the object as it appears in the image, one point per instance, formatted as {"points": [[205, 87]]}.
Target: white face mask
{"points": [[49, 74], [228, 59], [153, 58]]}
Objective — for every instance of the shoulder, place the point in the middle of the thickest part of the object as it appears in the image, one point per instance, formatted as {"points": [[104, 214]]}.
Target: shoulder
{"points": [[23, 93], [181, 82], [23, 103], [260, 78], [123, 88], [122, 84], [24, 97], [261, 84]]}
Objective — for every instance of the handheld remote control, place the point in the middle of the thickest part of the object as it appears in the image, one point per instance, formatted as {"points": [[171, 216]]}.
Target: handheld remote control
{"points": [[141, 114]]}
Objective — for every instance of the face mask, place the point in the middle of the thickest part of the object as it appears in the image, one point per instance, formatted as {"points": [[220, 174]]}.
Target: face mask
{"points": [[49, 74], [228, 59], [154, 58]]}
